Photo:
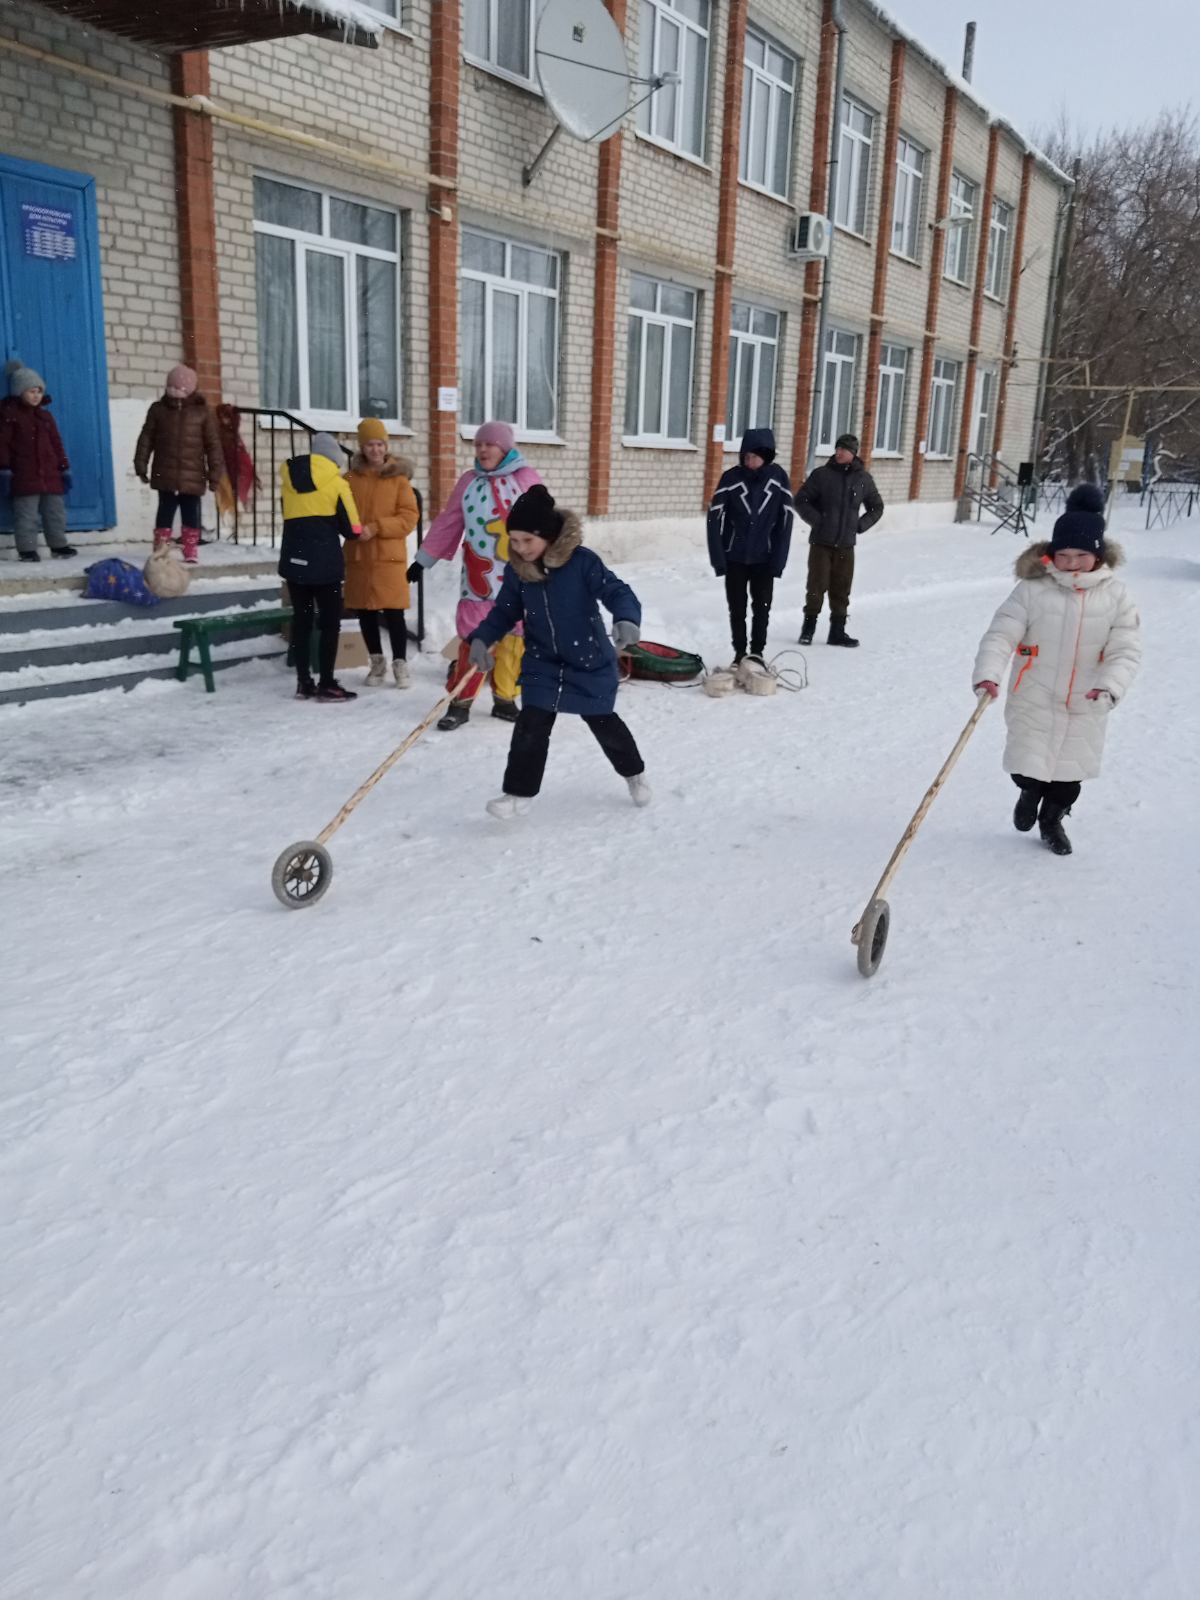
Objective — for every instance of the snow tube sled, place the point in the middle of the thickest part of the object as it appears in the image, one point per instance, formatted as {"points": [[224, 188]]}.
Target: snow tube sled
{"points": [[660, 663]]}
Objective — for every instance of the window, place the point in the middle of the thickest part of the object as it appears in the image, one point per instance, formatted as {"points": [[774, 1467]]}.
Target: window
{"points": [[509, 349], [838, 379], [910, 184], [854, 167], [768, 94], [658, 381], [674, 39], [983, 412], [753, 363], [389, 8], [958, 233], [498, 34], [889, 420], [997, 256], [327, 272], [941, 408]]}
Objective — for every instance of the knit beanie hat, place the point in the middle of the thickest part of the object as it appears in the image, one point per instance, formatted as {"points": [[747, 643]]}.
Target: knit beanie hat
{"points": [[1081, 526], [371, 428], [182, 377], [497, 433], [324, 444], [534, 512], [848, 441], [20, 377]]}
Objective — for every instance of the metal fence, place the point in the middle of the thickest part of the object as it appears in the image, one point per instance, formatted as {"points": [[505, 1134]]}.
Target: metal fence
{"points": [[1169, 503]]}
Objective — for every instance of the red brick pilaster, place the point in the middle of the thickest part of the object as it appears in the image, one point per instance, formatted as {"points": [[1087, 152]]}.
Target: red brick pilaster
{"points": [[604, 309], [883, 247], [1014, 289], [936, 266], [981, 255], [199, 287], [444, 89], [727, 201], [818, 191]]}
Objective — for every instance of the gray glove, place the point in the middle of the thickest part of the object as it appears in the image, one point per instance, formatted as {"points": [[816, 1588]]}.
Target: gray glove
{"points": [[625, 633], [479, 657]]}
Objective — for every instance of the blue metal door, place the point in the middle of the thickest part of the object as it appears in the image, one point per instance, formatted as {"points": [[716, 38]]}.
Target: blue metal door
{"points": [[52, 316]]}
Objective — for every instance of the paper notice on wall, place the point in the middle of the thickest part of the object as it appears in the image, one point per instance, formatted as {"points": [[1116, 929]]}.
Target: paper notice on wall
{"points": [[719, 433], [48, 233], [447, 400]]}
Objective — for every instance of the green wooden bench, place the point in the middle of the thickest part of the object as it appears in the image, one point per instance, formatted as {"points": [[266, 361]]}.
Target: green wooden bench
{"points": [[199, 631]]}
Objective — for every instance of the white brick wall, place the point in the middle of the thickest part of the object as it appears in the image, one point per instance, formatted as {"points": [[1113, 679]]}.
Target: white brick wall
{"points": [[376, 104]]}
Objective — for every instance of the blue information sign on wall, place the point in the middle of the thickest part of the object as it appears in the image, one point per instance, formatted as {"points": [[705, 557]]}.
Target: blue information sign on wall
{"points": [[48, 232]]}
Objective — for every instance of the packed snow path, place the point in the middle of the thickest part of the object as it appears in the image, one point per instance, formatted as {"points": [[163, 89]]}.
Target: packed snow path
{"points": [[553, 1210]]}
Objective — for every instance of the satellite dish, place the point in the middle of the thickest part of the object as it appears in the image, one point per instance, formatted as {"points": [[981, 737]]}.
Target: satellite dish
{"points": [[582, 67]]}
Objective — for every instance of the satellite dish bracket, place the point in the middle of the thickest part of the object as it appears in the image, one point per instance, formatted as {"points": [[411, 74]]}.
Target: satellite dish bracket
{"points": [[529, 173]]}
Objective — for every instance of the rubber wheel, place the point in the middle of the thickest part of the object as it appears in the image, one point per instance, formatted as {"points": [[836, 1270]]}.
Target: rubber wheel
{"points": [[302, 874], [873, 937]]}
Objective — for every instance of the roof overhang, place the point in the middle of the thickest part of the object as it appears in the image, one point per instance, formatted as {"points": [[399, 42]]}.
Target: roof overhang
{"points": [[170, 26]]}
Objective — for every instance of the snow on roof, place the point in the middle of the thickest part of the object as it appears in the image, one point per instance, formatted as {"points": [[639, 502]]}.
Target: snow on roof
{"points": [[349, 14], [968, 91]]}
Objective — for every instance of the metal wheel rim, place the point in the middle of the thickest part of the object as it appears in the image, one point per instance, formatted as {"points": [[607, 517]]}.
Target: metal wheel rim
{"points": [[301, 875]]}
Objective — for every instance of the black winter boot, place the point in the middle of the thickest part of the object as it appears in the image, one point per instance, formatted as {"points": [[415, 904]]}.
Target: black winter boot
{"points": [[505, 710], [1025, 813], [838, 634], [456, 715], [809, 628], [1050, 822]]}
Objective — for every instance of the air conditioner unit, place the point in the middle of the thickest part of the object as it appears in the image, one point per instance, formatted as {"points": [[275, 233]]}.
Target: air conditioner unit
{"points": [[810, 236]]}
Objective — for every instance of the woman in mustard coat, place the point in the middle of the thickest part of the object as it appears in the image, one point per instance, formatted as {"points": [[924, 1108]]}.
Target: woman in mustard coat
{"points": [[377, 568]]}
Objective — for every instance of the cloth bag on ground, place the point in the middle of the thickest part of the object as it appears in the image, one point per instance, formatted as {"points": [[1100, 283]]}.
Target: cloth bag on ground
{"points": [[165, 575]]}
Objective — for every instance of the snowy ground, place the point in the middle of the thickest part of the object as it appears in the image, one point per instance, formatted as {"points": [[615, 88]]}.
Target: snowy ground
{"points": [[553, 1210]]}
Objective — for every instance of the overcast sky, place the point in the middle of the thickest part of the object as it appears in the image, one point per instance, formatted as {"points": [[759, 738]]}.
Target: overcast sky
{"points": [[1106, 61]]}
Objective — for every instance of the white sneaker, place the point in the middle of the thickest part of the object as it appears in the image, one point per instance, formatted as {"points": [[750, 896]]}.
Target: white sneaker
{"points": [[506, 807], [376, 675], [639, 790], [400, 673]]}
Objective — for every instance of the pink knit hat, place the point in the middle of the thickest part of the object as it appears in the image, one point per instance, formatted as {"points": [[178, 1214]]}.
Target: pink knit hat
{"points": [[182, 377], [497, 433]]}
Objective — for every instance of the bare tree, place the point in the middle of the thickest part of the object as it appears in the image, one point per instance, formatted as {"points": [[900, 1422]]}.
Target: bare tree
{"points": [[1131, 309]]}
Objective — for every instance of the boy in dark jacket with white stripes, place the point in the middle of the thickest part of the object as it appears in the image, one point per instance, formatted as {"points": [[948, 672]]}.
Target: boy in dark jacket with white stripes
{"points": [[749, 536]]}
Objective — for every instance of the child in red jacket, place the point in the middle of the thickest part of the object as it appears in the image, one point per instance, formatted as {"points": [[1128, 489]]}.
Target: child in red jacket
{"points": [[33, 464]]}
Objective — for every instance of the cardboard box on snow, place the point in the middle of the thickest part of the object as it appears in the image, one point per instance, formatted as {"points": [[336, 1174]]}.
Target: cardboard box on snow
{"points": [[352, 651]]}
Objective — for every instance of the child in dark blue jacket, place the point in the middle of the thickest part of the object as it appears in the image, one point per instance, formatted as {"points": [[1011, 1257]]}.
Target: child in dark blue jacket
{"points": [[749, 535], [555, 587]]}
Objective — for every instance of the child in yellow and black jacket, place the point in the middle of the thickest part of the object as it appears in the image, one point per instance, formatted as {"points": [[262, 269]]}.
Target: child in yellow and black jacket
{"points": [[318, 513]]}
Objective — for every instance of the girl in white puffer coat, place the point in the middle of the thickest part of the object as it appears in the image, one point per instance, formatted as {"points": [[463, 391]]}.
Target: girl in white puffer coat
{"points": [[1075, 631]]}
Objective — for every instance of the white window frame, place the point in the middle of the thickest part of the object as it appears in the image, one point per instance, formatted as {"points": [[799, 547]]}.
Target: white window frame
{"points": [[854, 155], [391, 13], [325, 243], [668, 321], [667, 13], [756, 82], [738, 339], [894, 363], [911, 158], [999, 238], [495, 23], [983, 415], [841, 364], [943, 399], [956, 264], [503, 283]]}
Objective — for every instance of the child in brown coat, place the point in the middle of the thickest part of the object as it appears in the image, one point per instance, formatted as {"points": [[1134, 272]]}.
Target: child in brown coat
{"points": [[181, 435], [33, 464]]}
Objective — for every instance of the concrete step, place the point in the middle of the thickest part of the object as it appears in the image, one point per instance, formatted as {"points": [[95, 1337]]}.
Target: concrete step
{"points": [[219, 559], [35, 613], [55, 681]]}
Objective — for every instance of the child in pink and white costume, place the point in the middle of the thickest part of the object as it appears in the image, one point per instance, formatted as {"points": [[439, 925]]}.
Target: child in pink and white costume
{"points": [[474, 517]]}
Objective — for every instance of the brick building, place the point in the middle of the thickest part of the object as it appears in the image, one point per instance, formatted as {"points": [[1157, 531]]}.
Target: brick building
{"points": [[330, 229]]}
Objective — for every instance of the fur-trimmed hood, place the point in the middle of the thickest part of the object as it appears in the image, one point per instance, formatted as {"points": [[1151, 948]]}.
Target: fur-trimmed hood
{"points": [[1034, 562], [557, 554], [393, 466]]}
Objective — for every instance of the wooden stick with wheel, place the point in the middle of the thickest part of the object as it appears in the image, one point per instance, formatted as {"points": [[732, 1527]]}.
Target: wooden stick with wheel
{"points": [[304, 871], [870, 932]]}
